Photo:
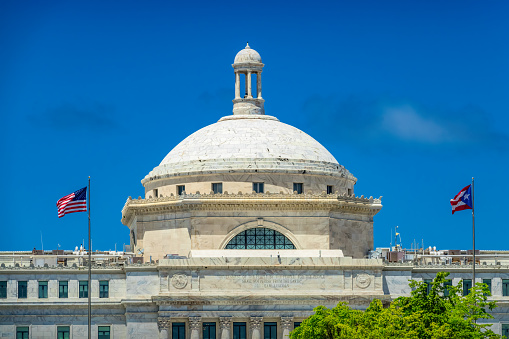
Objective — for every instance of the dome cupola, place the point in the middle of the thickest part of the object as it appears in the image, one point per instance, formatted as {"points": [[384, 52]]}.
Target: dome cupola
{"points": [[247, 66]]}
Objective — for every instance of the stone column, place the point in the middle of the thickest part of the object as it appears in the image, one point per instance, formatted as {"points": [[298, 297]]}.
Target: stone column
{"points": [[287, 326], [224, 323], [256, 324], [249, 94], [237, 85], [164, 327], [195, 325], [259, 84]]}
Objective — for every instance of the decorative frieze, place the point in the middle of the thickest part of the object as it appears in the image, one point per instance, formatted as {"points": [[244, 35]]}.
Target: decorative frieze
{"points": [[254, 201]]}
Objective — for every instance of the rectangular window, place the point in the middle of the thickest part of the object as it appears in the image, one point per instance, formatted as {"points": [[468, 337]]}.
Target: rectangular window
{"points": [[104, 287], [258, 187], [330, 189], [181, 189], [103, 332], [63, 289], [22, 289], [428, 285], [3, 289], [22, 332], [156, 192], [350, 192], [270, 331], [209, 330], [239, 330], [43, 289], [488, 283], [467, 285], [298, 187], [83, 292], [63, 332], [217, 188], [178, 331], [505, 287], [447, 284], [505, 330], [296, 324]]}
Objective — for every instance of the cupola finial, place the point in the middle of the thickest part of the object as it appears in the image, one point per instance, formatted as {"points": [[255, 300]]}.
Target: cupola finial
{"points": [[247, 45]]}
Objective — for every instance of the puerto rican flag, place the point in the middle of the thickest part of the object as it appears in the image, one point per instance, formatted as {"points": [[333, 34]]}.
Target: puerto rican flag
{"points": [[462, 200], [74, 202]]}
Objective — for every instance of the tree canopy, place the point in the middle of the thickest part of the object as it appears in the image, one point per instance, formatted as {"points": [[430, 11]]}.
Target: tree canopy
{"points": [[435, 312]]}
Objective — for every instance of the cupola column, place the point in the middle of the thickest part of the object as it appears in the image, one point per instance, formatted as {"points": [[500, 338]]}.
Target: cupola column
{"points": [[259, 84], [249, 93], [237, 85]]}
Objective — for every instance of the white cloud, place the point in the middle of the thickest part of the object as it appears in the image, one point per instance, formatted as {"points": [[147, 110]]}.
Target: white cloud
{"points": [[405, 123]]}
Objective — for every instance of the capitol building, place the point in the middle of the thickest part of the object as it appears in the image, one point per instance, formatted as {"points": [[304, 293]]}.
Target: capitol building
{"points": [[246, 226]]}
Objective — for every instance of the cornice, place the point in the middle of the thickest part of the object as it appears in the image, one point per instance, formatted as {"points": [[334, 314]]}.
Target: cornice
{"points": [[255, 201]]}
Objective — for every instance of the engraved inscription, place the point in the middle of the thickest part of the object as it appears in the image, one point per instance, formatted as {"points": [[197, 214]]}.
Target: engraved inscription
{"points": [[272, 281]]}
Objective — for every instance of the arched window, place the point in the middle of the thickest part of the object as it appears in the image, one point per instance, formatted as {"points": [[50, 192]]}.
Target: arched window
{"points": [[260, 239]]}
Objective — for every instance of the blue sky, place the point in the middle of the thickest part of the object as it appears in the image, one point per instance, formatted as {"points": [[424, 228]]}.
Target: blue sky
{"points": [[410, 96]]}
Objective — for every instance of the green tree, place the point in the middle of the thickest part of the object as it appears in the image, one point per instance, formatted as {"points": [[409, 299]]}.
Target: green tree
{"points": [[441, 313]]}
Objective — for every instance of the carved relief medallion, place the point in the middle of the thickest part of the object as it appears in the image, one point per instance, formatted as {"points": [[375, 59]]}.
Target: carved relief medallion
{"points": [[363, 280], [179, 281]]}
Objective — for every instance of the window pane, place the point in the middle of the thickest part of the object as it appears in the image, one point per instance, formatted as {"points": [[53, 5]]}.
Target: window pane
{"points": [[63, 289], [181, 189], [178, 330], [428, 285], [104, 289], [3, 289], [330, 189], [239, 330], [103, 332], [22, 332], [209, 330], [63, 332], [467, 285], [505, 287], [505, 330], [83, 291], [260, 238], [297, 187], [217, 188], [22, 289], [43, 289], [447, 284], [270, 330], [488, 283], [258, 187]]}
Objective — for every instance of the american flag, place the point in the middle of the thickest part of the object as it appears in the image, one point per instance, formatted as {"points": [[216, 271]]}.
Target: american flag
{"points": [[74, 202]]}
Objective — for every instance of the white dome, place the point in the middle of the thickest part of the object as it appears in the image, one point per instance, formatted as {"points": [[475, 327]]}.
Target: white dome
{"points": [[248, 144], [247, 55]]}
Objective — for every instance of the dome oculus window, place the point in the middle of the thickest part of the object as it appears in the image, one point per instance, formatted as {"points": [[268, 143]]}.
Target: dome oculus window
{"points": [[260, 239]]}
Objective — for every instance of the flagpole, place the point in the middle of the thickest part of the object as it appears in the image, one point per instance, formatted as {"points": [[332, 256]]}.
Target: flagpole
{"points": [[473, 234], [89, 269]]}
